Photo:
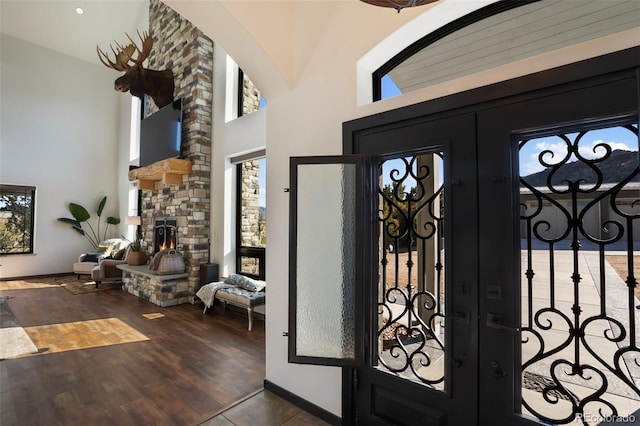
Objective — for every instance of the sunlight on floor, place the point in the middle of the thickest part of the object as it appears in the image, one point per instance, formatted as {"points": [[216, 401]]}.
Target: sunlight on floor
{"points": [[154, 315], [24, 285], [83, 335]]}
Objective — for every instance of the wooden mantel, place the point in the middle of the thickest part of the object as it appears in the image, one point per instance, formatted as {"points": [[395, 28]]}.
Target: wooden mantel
{"points": [[168, 171]]}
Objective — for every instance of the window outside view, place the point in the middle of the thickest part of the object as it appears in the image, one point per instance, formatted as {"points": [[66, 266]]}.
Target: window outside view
{"points": [[579, 211], [16, 219], [252, 217]]}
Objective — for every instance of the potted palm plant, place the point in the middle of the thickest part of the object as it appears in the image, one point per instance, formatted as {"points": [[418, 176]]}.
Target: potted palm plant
{"points": [[137, 255], [81, 216]]}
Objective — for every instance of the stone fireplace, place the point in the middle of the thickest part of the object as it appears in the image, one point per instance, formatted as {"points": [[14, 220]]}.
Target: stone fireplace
{"points": [[183, 199]]}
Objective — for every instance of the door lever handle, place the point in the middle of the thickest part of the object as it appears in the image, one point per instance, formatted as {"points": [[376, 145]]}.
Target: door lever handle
{"points": [[495, 321]]}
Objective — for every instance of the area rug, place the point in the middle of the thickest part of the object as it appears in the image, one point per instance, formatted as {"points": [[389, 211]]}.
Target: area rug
{"points": [[14, 341], [7, 319], [81, 287]]}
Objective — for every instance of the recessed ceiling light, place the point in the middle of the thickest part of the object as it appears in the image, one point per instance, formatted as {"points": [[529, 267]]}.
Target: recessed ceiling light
{"points": [[79, 10]]}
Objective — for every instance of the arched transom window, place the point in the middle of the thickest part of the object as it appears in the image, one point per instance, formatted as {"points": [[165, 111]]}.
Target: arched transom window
{"points": [[499, 34]]}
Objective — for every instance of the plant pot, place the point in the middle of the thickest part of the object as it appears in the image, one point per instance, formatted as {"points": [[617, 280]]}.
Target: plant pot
{"points": [[137, 258]]}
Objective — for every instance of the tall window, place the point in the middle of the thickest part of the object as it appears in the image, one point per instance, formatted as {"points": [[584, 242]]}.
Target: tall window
{"points": [[17, 208], [252, 218], [134, 131], [249, 97]]}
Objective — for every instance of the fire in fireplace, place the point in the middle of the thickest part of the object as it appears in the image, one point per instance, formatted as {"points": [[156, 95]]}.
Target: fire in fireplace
{"points": [[165, 234]]}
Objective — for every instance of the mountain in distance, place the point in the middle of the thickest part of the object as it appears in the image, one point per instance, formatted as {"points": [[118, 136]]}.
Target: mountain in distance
{"points": [[614, 169]]}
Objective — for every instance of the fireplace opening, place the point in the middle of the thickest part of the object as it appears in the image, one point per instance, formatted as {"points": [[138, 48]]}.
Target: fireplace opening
{"points": [[165, 234]]}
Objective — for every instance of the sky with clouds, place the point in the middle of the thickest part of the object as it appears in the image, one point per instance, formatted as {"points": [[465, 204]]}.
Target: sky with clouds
{"points": [[615, 137], [588, 147]]}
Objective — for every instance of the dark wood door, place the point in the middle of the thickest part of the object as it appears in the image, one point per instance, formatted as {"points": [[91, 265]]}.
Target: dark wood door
{"points": [[439, 276], [420, 281], [451, 307], [558, 190]]}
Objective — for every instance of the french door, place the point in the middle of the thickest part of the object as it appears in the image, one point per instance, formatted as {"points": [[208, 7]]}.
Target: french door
{"points": [[482, 242], [559, 190], [421, 328]]}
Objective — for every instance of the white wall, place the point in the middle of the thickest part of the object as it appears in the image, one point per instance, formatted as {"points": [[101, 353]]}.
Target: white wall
{"points": [[305, 121], [230, 138], [59, 132]]}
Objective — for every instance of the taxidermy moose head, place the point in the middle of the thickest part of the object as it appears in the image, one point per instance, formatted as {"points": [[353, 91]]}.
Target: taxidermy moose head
{"points": [[137, 80]]}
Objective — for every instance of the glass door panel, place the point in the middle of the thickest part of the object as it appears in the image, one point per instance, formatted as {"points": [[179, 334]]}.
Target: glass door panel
{"points": [[323, 293], [411, 287], [580, 236]]}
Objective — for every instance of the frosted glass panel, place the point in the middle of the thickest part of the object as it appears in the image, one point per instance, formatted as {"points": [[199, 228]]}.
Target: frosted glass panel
{"points": [[325, 268]]}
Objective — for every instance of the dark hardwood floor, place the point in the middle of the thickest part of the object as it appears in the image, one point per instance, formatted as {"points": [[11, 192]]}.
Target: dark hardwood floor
{"points": [[192, 367]]}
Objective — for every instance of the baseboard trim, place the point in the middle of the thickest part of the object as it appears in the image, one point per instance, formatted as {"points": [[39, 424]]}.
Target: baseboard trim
{"points": [[319, 412]]}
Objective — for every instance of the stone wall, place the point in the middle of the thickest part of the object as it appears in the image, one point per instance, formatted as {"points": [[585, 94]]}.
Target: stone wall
{"points": [[250, 217], [183, 48], [252, 225], [250, 96], [250, 189]]}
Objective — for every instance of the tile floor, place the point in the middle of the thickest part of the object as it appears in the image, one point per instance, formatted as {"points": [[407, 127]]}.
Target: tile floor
{"points": [[264, 409], [267, 409]]}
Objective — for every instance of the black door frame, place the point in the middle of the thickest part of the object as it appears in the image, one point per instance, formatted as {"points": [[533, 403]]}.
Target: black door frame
{"points": [[451, 137], [604, 103], [603, 69]]}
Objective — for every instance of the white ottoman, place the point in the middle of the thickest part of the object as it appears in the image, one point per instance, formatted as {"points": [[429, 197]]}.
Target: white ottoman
{"points": [[82, 267]]}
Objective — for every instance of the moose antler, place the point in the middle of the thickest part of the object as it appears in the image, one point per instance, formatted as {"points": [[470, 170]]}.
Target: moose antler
{"points": [[147, 45], [138, 80], [125, 54]]}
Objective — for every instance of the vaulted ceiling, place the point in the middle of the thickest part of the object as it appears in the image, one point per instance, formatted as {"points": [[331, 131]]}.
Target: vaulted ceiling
{"points": [[56, 25]]}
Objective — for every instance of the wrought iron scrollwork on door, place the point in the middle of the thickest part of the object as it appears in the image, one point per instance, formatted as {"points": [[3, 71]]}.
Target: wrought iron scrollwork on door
{"points": [[411, 288], [580, 354]]}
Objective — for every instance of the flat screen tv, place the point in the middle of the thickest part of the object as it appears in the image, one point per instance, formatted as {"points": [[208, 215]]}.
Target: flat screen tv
{"points": [[160, 134]]}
